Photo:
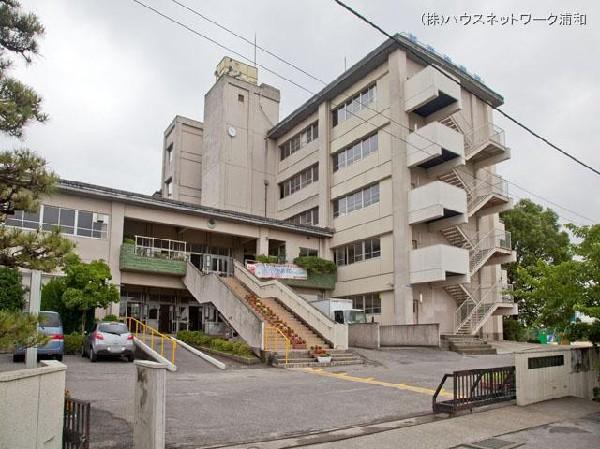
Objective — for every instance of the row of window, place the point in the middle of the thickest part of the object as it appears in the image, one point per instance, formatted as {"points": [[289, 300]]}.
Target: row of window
{"points": [[299, 181], [360, 101], [298, 141], [355, 152], [73, 222], [369, 303], [308, 217], [357, 251], [356, 200], [304, 252]]}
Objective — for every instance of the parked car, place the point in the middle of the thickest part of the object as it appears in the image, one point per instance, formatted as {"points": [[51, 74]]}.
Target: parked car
{"points": [[111, 339], [50, 324]]}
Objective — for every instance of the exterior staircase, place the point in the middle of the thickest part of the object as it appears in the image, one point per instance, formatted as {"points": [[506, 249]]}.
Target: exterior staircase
{"points": [[466, 344], [304, 359]]}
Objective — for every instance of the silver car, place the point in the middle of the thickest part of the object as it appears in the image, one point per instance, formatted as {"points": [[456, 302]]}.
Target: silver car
{"points": [[109, 338]]}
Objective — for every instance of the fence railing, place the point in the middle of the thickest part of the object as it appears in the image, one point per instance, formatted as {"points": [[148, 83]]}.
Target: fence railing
{"points": [[479, 136], [476, 388], [158, 341], [76, 424], [473, 306], [275, 340]]}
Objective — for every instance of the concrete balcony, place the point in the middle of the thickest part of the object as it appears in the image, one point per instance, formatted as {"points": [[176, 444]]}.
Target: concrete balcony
{"points": [[435, 201], [430, 94], [435, 146], [439, 263], [137, 259]]}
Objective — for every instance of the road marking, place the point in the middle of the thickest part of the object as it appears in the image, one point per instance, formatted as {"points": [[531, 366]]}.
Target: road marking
{"points": [[373, 381]]}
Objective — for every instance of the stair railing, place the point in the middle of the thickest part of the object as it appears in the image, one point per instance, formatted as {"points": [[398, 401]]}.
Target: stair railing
{"points": [[273, 338], [151, 336], [473, 313], [479, 136]]}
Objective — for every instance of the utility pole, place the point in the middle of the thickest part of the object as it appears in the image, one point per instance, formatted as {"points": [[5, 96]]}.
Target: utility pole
{"points": [[35, 290]]}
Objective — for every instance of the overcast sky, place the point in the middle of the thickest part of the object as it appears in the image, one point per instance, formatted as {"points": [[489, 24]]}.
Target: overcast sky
{"points": [[113, 75]]}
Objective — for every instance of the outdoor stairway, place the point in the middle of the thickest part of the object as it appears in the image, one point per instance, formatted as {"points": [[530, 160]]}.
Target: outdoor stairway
{"points": [[466, 344], [304, 359], [273, 312]]}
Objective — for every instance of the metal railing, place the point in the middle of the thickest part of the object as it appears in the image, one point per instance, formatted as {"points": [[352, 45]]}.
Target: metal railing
{"points": [[476, 388], [472, 311], [488, 132], [76, 424], [152, 337], [165, 248], [275, 340]]}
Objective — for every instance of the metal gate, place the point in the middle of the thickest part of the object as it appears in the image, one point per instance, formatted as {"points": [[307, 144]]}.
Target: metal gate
{"points": [[76, 424], [477, 387]]}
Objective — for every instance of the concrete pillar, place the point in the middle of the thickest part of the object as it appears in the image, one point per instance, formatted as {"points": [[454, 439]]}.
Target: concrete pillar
{"points": [[262, 242], [150, 401], [35, 293]]}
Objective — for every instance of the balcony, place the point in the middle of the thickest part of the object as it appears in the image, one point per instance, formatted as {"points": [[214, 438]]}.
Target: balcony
{"points": [[320, 281], [436, 201], [430, 94], [486, 146], [144, 260], [439, 263], [434, 145], [488, 195]]}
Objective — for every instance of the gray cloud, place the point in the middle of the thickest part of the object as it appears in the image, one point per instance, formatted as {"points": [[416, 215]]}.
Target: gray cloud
{"points": [[113, 75]]}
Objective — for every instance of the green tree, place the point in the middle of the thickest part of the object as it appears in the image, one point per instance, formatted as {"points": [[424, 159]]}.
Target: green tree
{"points": [[11, 289], [19, 329], [83, 288], [536, 236]]}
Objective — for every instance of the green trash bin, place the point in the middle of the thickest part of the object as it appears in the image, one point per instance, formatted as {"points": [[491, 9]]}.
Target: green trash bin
{"points": [[543, 336]]}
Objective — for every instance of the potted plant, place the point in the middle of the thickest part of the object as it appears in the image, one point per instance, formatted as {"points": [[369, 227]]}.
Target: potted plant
{"points": [[321, 355]]}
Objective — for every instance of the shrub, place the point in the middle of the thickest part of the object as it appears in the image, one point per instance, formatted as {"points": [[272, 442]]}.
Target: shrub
{"points": [[514, 330], [577, 331], [267, 259], [110, 317], [199, 339], [74, 343], [11, 289], [316, 265]]}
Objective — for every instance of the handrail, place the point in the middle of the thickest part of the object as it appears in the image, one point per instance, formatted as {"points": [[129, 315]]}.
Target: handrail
{"points": [[476, 304], [438, 390], [270, 335], [138, 328]]}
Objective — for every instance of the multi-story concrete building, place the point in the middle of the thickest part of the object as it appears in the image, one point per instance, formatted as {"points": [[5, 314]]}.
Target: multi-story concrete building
{"points": [[389, 171]]}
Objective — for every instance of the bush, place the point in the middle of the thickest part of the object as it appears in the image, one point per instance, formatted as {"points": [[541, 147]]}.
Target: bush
{"points": [[267, 259], [316, 265], [111, 317], [11, 289], [514, 330], [200, 340], [74, 343], [577, 331]]}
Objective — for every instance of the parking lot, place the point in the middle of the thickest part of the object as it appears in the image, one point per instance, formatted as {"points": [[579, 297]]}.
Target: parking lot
{"points": [[207, 406]]}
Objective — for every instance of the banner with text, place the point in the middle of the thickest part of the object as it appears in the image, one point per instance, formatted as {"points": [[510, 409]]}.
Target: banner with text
{"points": [[276, 271]]}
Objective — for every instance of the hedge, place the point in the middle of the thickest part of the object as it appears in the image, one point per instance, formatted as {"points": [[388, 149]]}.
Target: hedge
{"points": [[74, 343], [199, 339]]}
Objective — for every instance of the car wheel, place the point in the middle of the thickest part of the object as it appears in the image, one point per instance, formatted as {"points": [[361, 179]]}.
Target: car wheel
{"points": [[59, 357], [130, 358], [93, 356], [83, 354]]}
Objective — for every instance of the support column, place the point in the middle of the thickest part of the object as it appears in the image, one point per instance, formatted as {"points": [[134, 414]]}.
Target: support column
{"points": [[149, 406], [35, 291]]}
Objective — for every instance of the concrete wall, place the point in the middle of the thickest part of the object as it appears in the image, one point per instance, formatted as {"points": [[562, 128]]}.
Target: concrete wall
{"points": [[410, 335], [576, 377], [363, 335], [31, 407]]}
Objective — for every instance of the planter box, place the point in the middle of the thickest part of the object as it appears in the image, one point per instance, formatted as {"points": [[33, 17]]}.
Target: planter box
{"points": [[324, 281], [324, 359], [130, 261]]}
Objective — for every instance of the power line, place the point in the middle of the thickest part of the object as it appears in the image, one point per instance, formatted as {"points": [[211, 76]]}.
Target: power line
{"points": [[170, 19], [509, 117]]}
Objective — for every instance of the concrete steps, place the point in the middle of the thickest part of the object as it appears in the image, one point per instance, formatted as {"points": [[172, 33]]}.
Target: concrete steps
{"points": [[466, 344], [304, 359]]}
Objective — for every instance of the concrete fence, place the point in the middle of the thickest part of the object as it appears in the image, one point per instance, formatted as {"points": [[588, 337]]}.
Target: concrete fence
{"points": [[556, 372], [374, 335], [32, 406]]}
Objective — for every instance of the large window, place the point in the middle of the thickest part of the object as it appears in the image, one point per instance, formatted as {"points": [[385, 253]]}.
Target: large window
{"points": [[309, 217], [357, 251], [356, 200], [360, 101], [70, 221], [369, 303], [355, 152], [307, 135], [308, 252], [299, 181]]}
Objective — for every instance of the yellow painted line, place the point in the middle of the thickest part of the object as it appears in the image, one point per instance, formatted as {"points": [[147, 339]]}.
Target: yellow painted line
{"points": [[373, 381]]}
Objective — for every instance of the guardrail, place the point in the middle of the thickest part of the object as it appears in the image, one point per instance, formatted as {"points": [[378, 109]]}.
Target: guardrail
{"points": [[76, 424], [148, 335], [273, 339]]}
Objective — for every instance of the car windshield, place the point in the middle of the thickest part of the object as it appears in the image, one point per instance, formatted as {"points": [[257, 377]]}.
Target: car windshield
{"points": [[48, 319], [113, 328]]}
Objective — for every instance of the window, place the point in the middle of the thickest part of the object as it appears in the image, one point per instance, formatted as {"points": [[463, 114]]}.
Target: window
{"points": [[299, 181], [308, 252], [240, 98], [357, 251], [369, 303], [356, 200], [168, 188], [355, 152], [354, 104], [70, 221], [298, 141], [309, 217]]}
